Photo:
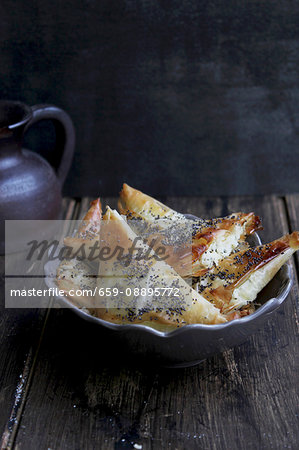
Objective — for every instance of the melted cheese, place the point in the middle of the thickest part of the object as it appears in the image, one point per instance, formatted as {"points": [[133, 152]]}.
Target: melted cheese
{"points": [[224, 243]]}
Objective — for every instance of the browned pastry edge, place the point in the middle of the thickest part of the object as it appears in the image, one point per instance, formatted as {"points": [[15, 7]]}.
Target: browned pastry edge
{"points": [[136, 204], [89, 228], [133, 203], [206, 234], [119, 234], [237, 268]]}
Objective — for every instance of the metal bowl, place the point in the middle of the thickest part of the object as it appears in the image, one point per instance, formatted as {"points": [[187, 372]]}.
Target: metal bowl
{"points": [[190, 344]]}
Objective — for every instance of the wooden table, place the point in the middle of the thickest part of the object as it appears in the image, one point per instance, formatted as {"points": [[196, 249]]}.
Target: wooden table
{"points": [[62, 389]]}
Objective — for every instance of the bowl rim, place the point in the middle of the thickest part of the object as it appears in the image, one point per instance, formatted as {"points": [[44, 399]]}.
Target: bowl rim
{"points": [[268, 307]]}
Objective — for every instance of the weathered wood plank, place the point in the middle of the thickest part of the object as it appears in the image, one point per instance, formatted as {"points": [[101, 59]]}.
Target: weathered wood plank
{"points": [[84, 396], [21, 331], [245, 398]]}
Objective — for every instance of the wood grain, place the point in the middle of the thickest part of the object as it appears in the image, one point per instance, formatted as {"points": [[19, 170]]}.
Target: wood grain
{"points": [[239, 399], [21, 331], [84, 395]]}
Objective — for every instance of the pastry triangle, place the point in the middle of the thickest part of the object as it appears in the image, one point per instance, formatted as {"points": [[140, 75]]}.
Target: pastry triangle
{"points": [[88, 231], [212, 239], [216, 239], [236, 281], [75, 279], [135, 204], [148, 272], [75, 274]]}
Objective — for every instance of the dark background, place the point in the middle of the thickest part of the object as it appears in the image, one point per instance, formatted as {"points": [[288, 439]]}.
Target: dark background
{"points": [[175, 97]]}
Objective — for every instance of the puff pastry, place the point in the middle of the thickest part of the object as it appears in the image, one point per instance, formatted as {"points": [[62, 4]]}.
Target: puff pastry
{"points": [[236, 280], [136, 204], [227, 275], [188, 307], [89, 228], [74, 275], [212, 239], [215, 239]]}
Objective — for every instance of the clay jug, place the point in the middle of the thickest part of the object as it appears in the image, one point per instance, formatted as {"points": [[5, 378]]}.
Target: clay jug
{"points": [[29, 187]]}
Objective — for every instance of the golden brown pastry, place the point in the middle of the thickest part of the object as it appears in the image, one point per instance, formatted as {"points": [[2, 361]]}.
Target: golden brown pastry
{"points": [[228, 274], [211, 240], [135, 204], [218, 238], [78, 282], [89, 228], [74, 275], [146, 272], [236, 280]]}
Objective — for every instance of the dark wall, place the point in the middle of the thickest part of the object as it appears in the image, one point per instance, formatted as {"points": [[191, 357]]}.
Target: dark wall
{"points": [[173, 96]]}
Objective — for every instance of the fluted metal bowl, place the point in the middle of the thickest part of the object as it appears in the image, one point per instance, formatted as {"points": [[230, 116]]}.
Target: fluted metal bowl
{"points": [[190, 344]]}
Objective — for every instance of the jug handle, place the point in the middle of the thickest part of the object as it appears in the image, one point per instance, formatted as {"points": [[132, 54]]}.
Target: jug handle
{"points": [[65, 134]]}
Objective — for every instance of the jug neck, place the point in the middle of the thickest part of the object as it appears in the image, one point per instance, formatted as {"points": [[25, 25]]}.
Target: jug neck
{"points": [[11, 142], [11, 148], [14, 116]]}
